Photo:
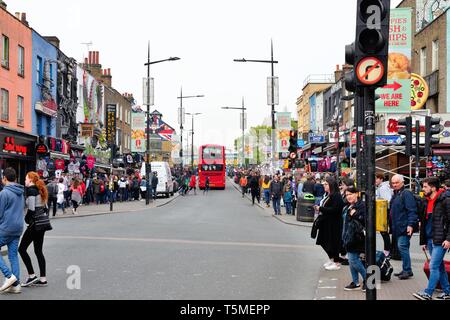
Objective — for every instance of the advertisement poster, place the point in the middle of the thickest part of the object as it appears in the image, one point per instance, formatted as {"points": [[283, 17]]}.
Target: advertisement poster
{"points": [[283, 137], [284, 121], [395, 97], [138, 142], [111, 115]]}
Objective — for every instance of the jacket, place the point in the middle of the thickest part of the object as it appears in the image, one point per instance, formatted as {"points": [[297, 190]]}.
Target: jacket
{"points": [[440, 219], [254, 184], [308, 187], [319, 190], [384, 191], [353, 242], [276, 189], [154, 182], [32, 202], [403, 212], [11, 210], [330, 229]]}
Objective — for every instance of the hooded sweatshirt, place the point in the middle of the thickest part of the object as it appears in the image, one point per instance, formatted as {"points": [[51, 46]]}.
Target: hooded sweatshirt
{"points": [[11, 210]]}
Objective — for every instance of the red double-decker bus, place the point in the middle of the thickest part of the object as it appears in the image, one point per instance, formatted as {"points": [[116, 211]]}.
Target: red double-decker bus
{"points": [[212, 164]]}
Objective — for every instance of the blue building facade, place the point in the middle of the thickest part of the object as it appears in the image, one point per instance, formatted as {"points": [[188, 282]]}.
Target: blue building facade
{"points": [[43, 83]]}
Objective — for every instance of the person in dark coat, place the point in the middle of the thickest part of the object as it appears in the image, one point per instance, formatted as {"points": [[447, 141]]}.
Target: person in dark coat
{"points": [[276, 193], [354, 238], [330, 229], [308, 187], [254, 188], [435, 236], [154, 183]]}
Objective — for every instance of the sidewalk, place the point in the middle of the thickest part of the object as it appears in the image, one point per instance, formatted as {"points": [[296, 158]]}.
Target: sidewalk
{"points": [[118, 207], [287, 219], [331, 283]]}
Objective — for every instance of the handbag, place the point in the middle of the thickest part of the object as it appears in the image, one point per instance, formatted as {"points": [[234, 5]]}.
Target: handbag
{"points": [[316, 226], [41, 220]]}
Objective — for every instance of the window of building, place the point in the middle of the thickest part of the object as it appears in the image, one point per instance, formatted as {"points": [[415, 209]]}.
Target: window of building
{"points": [[435, 59], [5, 51], [20, 120], [21, 61], [5, 105], [39, 71], [423, 61]]}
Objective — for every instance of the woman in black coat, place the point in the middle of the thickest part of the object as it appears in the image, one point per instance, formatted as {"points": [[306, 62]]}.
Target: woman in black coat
{"points": [[330, 228]]}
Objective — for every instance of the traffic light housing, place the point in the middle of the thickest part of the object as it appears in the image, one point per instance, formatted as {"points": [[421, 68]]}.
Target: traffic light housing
{"points": [[432, 127], [371, 41], [293, 137], [406, 131]]}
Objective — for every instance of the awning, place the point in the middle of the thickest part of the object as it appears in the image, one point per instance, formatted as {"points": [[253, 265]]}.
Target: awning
{"points": [[104, 166], [58, 155], [330, 147], [441, 152]]}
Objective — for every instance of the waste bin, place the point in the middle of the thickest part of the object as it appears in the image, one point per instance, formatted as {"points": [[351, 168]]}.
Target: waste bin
{"points": [[382, 217], [305, 208]]}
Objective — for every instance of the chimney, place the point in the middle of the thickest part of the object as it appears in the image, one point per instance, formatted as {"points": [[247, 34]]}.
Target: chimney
{"points": [[24, 19], [3, 5], [53, 40], [90, 57], [338, 74], [17, 14], [95, 58], [86, 61], [98, 57]]}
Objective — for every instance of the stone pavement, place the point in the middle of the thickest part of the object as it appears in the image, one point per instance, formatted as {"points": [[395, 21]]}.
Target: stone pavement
{"points": [[331, 283]]}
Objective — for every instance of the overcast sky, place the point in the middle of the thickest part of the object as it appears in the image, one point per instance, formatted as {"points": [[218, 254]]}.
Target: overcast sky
{"points": [[308, 36]]}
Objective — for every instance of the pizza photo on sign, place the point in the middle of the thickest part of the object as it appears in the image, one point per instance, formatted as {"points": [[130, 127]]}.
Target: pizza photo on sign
{"points": [[399, 66], [419, 92]]}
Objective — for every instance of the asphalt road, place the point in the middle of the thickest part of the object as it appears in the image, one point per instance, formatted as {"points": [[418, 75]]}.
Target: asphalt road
{"points": [[197, 247]]}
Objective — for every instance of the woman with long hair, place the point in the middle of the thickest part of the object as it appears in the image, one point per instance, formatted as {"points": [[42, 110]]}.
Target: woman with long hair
{"points": [[330, 229], [77, 195], [36, 199], [354, 237]]}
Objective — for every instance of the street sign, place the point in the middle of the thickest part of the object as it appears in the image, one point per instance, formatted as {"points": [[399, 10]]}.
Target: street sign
{"points": [[300, 143], [370, 71], [316, 138], [388, 140]]}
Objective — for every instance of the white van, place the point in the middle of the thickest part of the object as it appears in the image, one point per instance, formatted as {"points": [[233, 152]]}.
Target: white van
{"points": [[165, 181]]}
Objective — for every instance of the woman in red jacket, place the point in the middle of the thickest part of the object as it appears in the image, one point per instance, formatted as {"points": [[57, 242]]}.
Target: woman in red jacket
{"points": [[193, 184]]}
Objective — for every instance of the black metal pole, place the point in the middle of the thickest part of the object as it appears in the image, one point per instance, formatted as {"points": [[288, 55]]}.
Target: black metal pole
{"points": [[273, 106], [369, 99], [358, 138], [338, 147], [360, 134], [417, 184], [181, 128], [111, 181], [192, 146], [147, 165]]}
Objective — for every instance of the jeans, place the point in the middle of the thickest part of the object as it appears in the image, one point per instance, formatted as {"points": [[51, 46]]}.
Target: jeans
{"points": [[438, 274], [288, 205], [13, 244], [403, 243], [356, 267], [154, 193], [267, 196], [277, 205]]}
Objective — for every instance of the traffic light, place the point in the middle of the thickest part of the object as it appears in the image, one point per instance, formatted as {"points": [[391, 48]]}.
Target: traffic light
{"points": [[432, 127], [406, 131], [293, 137], [369, 53]]}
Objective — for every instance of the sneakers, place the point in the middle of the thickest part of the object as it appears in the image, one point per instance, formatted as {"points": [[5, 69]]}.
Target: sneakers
{"points": [[41, 284], [14, 289], [364, 287], [352, 287], [30, 281], [443, 296], [328, 263], [333, 267], [405, 275], [8, 283], [421, 295]]}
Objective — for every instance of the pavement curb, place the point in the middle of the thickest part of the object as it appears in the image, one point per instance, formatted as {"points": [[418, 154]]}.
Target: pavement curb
{"points": [[298, 224], [176, 196]]}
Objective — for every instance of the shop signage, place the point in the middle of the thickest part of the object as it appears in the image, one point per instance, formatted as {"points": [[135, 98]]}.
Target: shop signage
{"points": [[388, 140], [49, 107], [41, 149], [419, 92], [300, 143], [87, 130], [90, 162], [10, 147], [111, 114], [395, 97], [316, 138], [332, 136]]}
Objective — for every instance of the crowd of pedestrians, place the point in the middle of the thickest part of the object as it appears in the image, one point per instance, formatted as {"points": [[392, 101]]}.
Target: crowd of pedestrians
{"points": [[341, 220]]}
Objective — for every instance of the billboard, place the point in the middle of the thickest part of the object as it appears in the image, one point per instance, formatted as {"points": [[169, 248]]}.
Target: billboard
{"points": [[138, 142], [111, 115], [395, 97]]}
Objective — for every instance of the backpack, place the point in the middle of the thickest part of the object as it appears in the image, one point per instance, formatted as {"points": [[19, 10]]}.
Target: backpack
{"points": [[385, 266]]}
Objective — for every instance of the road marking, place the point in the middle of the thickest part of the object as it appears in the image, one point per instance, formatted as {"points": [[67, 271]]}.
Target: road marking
{"points": [[327, 298], [327, 287], [191, 242]]}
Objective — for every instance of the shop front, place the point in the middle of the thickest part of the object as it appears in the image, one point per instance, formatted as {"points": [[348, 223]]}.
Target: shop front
{"points": [[17, 150], [53, 156]]}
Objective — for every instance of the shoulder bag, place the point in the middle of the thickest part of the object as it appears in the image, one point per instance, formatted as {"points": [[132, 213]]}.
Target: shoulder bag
{"points": [[41, 220]]}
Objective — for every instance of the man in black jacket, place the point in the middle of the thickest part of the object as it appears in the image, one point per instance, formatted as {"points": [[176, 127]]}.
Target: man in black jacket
{"points": [[254, 187], [435, 236], [154, 184], [276, 193]]}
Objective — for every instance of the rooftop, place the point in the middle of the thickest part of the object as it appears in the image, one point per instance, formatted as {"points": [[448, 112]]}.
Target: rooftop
{"points": [[318, 78]]}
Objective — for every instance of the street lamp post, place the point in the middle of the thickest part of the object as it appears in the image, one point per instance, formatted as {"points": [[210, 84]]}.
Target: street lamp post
{"points": [[192, 141], [272, 62], [181, 120], [149, 103], [243, 127]]}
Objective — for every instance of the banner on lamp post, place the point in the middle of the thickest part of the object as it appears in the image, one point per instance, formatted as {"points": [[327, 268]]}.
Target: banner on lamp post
{"points": [[138, 126]]}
